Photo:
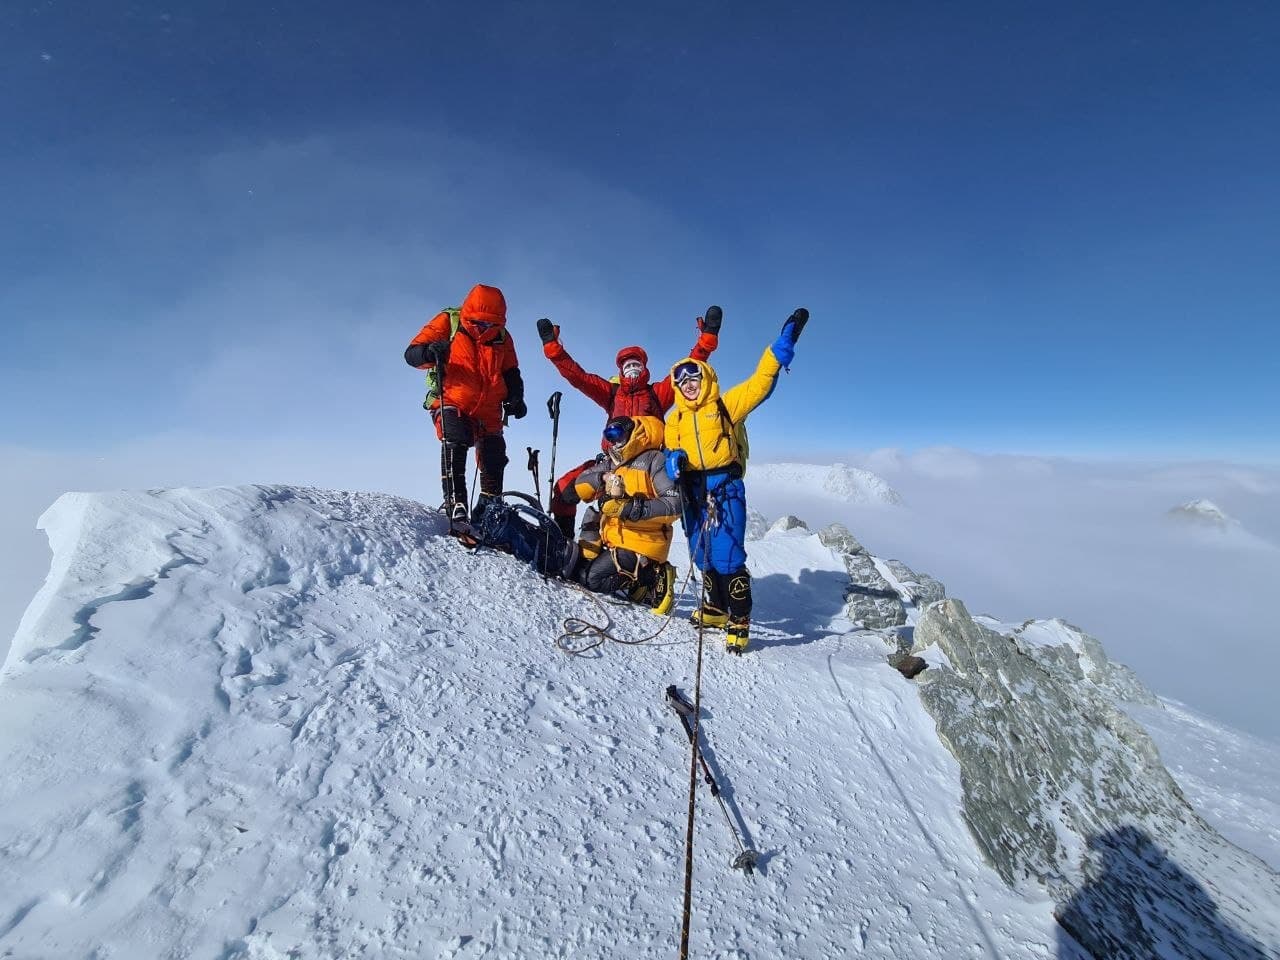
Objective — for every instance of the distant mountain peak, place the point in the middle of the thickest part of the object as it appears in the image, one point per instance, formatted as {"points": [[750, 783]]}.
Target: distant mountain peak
{"points": [[837, 481], [1203, 513]]}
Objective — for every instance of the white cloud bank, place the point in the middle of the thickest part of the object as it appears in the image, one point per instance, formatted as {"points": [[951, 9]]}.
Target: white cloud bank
{"points": [[1090, 541]]}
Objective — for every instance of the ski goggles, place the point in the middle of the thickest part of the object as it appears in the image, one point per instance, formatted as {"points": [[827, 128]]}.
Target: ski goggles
{"points": [[482, 325], [685, 372], [618, 431], [632, 369]]}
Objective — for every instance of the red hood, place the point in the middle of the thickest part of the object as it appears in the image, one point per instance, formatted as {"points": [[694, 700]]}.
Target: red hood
{"points": [[633, 353], [485, 303]]}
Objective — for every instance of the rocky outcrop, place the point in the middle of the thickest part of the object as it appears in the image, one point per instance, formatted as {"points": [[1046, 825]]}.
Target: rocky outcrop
{"points": [[783, 524], [838, 538], [871, 602], [1067, 651], [757, 524], [1061, 787], [922, 589]]}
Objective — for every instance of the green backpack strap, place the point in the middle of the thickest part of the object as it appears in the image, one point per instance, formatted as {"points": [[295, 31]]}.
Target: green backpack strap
{"points": [[433, 375]]}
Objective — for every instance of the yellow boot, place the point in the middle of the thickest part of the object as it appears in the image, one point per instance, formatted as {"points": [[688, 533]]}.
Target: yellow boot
{"points": [[736, 634], [664, 591], [709, 616]]}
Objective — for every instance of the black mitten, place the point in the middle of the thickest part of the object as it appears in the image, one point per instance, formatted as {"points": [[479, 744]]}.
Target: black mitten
{"points": [[711, 322]]}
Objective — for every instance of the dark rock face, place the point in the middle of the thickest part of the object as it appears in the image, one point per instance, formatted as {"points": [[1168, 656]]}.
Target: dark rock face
{"points": [[870, 601], [1062, 788]]}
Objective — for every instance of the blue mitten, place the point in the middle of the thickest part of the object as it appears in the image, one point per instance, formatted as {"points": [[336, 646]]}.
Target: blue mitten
{"points": [[677, 460], [784, 349]]}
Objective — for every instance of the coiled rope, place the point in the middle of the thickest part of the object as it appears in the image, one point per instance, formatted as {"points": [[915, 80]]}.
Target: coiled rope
{"points": [[577, 628]]}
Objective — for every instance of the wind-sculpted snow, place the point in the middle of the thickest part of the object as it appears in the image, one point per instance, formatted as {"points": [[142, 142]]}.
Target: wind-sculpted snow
{"points": [[1062, 787], [272, 722]]}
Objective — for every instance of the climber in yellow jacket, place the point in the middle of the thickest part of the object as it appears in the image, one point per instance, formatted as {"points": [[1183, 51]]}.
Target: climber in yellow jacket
{"points": [[706, 456], [638, 504]]}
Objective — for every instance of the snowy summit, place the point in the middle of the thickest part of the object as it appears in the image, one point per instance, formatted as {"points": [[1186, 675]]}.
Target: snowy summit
{"points": [[1202, 513], [270, 722], [838, 482]]}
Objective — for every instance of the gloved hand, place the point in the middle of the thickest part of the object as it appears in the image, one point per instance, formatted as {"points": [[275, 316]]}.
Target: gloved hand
{"points": [[515, 409], [547, 330], [629, 509], [795, 323], [711, 322], [437, 352], [677, 463], [784, 348]]}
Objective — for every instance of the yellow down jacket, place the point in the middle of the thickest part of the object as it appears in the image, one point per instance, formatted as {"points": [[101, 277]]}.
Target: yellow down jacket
{"points": [[641, 466], [698, 426]]}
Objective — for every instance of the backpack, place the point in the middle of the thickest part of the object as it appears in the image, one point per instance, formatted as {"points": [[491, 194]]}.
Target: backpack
{"points": [[528, 533], [433, 375]]}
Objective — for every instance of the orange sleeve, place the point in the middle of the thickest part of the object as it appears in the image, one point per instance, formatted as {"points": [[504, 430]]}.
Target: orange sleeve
{"points": [[435, 330]]}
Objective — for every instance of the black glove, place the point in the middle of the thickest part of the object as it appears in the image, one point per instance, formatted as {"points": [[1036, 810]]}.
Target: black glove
{"points": [[711, 322], [795, 323], [437, 352], [515, 409], [547, 330], [637, 508]]}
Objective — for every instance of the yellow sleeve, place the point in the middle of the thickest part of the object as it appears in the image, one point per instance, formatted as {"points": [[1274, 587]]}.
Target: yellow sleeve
{"points": [[751, 392]]}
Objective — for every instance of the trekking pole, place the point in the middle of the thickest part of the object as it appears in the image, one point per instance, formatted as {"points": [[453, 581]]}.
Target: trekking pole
{"points": [[747, 857], [533, 468], [553, 408]]}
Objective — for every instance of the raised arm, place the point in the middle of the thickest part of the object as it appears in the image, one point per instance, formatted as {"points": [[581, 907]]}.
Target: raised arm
{"points": [[597, 389], [703, 347], [755, 390]]}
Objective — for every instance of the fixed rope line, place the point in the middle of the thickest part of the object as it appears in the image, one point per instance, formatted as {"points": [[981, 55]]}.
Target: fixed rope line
{"points": [[693, 761]]}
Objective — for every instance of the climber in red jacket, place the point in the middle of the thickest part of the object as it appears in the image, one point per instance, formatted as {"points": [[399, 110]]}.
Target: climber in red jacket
{"points": [[629, 394]]}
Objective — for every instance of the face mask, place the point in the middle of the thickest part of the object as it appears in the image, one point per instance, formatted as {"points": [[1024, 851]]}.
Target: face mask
{"points": [[631, 369]]}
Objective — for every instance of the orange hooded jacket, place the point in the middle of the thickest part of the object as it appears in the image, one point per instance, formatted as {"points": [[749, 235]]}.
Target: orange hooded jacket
{"points": [[477, 374]]}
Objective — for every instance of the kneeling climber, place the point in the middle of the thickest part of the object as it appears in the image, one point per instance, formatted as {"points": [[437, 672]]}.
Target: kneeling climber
{"points": [[638, 505]]}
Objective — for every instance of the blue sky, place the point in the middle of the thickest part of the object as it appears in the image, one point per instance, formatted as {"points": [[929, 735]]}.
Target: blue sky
{"points": [[1019, 227]]}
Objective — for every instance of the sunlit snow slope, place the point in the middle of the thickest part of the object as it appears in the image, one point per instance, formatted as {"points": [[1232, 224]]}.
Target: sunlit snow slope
{"points": [[276, 722]]}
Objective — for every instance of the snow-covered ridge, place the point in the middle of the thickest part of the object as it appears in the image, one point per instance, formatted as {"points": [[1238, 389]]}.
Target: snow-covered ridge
{"points": [[268, 721], [1201, 512], [838, 481]]}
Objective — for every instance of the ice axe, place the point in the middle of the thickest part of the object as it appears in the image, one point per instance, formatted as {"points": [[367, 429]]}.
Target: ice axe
{"points": [[747, 857]]}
